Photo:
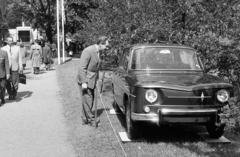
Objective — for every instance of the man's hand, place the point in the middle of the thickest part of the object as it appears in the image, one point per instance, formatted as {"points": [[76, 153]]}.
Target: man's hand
{"points": [[20, 71], [84, 86], [8, 76]]}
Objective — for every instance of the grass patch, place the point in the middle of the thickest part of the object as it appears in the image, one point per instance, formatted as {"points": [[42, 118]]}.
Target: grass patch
{"points": [[164, 141]]}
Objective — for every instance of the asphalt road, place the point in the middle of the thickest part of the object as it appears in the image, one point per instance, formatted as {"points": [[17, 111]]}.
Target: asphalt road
{"points": [[33, 125]]}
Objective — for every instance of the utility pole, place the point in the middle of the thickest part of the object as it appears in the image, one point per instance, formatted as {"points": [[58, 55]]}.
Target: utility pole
{"points": [[63, 37], [58, 43]]}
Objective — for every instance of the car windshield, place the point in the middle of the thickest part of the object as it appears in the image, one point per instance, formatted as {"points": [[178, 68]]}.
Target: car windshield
{"points": [[164, 58]]}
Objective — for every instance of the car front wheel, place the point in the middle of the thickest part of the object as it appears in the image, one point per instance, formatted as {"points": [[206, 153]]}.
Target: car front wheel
{"points": [[116, 107], [215, 131], [131, 127]]}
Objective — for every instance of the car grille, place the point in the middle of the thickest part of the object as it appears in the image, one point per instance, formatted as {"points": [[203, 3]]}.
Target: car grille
{"points": [[199, 97]]}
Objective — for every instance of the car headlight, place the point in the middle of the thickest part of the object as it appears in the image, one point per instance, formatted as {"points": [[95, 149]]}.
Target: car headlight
{"points": [[223, 95], [151, 95]]}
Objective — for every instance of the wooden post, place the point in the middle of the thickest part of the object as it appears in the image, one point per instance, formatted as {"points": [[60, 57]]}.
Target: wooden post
{"points": [[95, 103], [102, 82]]}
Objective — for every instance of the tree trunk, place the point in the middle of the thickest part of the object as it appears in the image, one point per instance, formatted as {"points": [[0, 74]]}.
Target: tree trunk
{"points": [[184, 21], [49, 33]]}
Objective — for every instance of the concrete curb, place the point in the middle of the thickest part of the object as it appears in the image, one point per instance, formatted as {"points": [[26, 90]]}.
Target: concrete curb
{"points": [[67, 59]]}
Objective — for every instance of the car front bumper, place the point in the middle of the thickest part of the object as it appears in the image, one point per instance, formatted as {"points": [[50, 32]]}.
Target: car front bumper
{"points": [[179, 116]]}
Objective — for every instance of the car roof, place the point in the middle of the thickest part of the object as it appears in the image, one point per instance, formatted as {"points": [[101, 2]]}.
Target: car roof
{"points": [[141, 45]]}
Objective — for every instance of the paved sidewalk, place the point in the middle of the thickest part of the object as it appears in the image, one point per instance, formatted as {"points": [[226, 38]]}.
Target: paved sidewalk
{"points": [[33, 125]]}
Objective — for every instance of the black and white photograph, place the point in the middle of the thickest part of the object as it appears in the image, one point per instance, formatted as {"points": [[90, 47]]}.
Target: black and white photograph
{"points": [[120, 78]]}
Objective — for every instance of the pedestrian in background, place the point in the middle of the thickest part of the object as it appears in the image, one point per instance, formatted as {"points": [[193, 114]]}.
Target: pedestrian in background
{"points": [[15, 65], [54, 50], [35, 56], [23, 51], [4, 74], [87, 77], [47, 56]]}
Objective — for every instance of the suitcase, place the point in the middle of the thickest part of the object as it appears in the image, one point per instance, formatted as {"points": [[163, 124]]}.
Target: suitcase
{"points": [[22, 79]]}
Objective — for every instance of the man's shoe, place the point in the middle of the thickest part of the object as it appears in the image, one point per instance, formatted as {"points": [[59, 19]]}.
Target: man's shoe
{"points": [[98, 120], [3, 101], [14, 98], [84, 123], [94, 124], [10, 97]]}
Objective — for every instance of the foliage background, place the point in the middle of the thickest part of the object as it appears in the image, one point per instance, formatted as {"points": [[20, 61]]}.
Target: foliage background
{"points": [[210, 26]]}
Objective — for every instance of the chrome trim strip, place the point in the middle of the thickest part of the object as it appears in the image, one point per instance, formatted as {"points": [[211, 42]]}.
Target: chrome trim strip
{"points": [[168, 112], [195, 97], [197, 106], [126, 91], [132, 95], [144, 117], [188, 111], [193, 120], [181, 88]]}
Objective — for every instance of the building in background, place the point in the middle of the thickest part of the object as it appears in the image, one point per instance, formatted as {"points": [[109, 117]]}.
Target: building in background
{"points": [[26, 35]]}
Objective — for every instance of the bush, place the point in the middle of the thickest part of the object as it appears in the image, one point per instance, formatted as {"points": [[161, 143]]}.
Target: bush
{"points": [[231, 116]]}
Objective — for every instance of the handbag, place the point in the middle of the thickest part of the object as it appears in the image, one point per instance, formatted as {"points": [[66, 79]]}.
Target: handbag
{"points": [[22, 79]]}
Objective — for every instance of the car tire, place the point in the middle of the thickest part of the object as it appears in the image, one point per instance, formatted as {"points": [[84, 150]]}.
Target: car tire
{"points": [[116, 107], [131, 127], [215, 131]]}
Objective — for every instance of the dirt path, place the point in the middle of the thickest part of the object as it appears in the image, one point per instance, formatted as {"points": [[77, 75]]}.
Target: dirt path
{"points": [[33, 126]]}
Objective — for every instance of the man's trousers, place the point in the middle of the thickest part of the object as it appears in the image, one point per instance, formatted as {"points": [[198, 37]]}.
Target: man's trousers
{"points": [[87, 104], [12, 84], [2, 88]]}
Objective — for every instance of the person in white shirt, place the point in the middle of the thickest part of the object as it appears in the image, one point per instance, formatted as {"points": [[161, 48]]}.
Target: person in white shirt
{"points": [[15, 65]]}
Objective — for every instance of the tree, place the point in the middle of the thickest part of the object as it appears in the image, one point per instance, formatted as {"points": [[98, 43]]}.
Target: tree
{"points": [[9, 14], [193, 22], [41, 14], [78, 17], [9, 17]]}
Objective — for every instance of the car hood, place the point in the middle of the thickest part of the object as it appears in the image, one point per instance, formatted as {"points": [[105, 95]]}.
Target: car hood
{"points": [[179, 81]]}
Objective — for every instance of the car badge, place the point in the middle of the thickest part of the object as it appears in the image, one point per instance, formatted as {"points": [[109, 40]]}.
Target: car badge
{"points": [[202, 97]]}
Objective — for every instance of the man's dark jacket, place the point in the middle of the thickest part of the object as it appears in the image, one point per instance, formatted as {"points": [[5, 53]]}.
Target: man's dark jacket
{"points": [[4, 64], [89, 65]]}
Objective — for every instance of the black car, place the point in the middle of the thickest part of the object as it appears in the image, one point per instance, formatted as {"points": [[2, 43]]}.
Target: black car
{"points": [[167, 84]]}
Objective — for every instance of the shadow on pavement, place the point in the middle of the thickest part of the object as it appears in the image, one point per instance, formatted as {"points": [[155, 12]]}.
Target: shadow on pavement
{"points": [[24, 94], [20, 96]]}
